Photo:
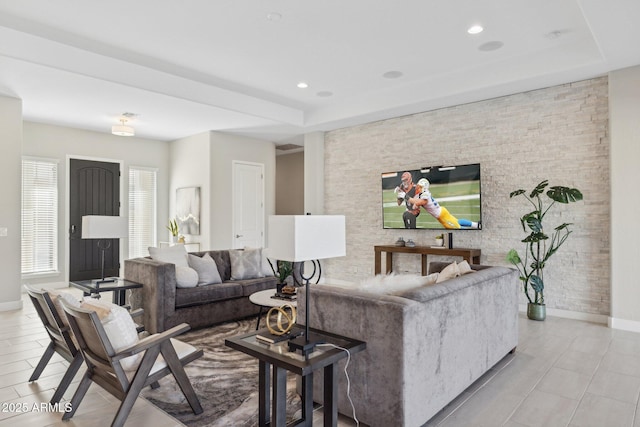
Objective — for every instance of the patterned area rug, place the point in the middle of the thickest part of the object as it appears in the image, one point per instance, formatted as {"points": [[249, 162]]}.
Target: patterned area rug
{"points": [[225, 380]]}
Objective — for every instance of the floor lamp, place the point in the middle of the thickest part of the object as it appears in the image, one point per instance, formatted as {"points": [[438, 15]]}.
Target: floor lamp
{"points": [[104, 228], [299, 238]]}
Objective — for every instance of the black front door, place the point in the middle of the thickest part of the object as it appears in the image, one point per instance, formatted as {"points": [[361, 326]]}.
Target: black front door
{"points": [[94, 189]]}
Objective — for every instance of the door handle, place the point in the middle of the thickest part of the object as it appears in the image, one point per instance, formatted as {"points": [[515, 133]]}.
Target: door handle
{"points": [[73, 229], [238, 236]]}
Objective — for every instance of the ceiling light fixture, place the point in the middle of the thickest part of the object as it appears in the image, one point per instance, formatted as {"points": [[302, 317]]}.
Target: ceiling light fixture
{"points": [[303, 85], [122, 129], [475, 29]]}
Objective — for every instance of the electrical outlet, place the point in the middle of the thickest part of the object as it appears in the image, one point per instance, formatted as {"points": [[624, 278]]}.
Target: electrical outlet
{"points": [[3, 231]]}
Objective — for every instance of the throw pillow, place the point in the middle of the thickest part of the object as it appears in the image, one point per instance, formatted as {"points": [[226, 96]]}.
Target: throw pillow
{"points": [[186, 277], [173, 254], [264, 262], [119, 327], [392, 284], [206, 268], [464, 268], [56, 297], [449, 272], [246, 264]]}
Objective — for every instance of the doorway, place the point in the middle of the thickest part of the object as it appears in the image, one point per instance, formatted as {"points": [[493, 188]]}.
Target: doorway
{"points": [[248, 205], [94, 189]]}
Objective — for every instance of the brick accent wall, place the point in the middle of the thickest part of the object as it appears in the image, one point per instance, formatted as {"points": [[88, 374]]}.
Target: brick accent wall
{"points": [[558, 133]]}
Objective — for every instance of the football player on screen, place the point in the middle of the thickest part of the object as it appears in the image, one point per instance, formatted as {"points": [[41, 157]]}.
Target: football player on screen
{"points": [[404, 192], [431, 205]]}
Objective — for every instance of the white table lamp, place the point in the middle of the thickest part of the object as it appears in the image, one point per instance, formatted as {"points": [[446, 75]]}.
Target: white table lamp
{"points": [[299, 238], [104, 228]]}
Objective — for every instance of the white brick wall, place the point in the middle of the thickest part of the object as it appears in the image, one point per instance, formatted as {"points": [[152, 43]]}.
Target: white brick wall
{"points": [[559, 133]]}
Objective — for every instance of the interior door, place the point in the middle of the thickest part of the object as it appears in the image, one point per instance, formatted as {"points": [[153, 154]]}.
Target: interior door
{"points": [[248, 205], [94, 189]]}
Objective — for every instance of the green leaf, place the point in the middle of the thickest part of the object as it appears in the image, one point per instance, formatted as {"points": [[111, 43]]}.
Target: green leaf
{"points": [[563, 226], [539, 189], [564, 194], [536, 283], [513, 257], [516, 193], [535, 237], [533, 222]]}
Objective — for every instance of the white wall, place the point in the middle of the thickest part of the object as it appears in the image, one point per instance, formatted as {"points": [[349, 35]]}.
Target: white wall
{"points": [[226, 148], [63, 143], [10, 177], [624, 100], [190, 167], [205, 160]]}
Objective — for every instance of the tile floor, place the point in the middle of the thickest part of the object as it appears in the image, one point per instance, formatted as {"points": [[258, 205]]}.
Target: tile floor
{"points": [[564, 373]]}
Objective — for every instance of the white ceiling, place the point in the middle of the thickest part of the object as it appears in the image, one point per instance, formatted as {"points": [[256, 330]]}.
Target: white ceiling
{"points": [[187, 67]]}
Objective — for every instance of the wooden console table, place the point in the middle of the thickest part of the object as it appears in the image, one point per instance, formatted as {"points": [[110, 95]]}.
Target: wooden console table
{"points": [[471, 255]]}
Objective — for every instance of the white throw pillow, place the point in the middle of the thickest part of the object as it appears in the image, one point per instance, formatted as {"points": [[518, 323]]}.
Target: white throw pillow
{"points": [[246, 264], [119, 327], [176, 254], [186, 277], [464, 268], [264, 262], [449, 272], [57, 296], [206, 268], [395, 283]]}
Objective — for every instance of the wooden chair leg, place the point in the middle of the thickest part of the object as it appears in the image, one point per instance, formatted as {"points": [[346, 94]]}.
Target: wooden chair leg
{"points": [[136, 386], [67, 378], [170, 356], [44, 360], [78, 395]]}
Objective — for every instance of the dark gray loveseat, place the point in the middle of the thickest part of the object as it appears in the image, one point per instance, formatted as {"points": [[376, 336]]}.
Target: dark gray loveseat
{"points": [[165, 305]]}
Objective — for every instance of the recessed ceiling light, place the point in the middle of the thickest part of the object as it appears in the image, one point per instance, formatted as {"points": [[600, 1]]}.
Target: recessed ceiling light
{"points": [[475, 29], [555, 34], [392, 74], [489, 46], [274, 16], [303, 85], [324, 94]]}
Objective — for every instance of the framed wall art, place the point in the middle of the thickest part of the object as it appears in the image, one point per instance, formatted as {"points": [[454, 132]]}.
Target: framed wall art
{"points": [[188, 210]]}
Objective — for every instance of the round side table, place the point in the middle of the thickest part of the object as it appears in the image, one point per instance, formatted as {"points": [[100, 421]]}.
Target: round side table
{"points": [[263, 300]]}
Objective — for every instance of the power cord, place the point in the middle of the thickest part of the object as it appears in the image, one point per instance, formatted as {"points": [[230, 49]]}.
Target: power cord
{"points": [[346, 365]]}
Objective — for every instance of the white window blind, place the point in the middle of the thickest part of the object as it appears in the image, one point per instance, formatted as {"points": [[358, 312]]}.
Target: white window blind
{"points": [[142, 211], [39, 216]]}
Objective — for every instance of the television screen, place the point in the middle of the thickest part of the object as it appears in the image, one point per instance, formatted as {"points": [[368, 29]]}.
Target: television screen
{"points": [[434, 198]]}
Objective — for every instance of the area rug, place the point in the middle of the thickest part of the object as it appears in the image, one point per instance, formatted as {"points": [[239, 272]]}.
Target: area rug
{"points": [[225, 380]]}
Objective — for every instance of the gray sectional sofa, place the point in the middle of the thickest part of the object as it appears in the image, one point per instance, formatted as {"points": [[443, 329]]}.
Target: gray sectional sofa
{"points": [[165, 305], [425, 346]]}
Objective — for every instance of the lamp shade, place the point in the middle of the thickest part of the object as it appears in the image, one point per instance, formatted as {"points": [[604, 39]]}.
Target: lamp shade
{"points": [[104, 227], [306, 237]]}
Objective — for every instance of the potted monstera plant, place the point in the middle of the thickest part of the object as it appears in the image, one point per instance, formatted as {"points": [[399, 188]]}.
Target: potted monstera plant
{"points": [[539, 245]]}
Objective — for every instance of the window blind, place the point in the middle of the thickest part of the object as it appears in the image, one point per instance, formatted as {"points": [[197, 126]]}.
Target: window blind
{"points": [[142, 211], [39, 216]]}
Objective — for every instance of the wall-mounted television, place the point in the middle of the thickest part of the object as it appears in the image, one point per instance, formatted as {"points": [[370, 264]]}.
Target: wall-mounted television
{"points": [[433, 198]]}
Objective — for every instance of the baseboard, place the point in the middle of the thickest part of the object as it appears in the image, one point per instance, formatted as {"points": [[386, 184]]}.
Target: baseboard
{"points": [[575, 315], [11, 305], [624, 325]]}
